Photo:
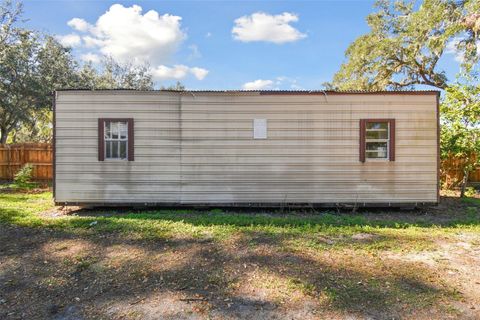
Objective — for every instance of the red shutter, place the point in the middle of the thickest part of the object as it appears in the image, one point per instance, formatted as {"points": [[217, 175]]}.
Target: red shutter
{"points": [[392, 140], [362, 140], [131, 139], [101, 140]]}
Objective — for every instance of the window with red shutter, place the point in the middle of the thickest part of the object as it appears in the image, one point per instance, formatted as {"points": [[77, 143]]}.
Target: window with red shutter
{"points": [[377, 139]]}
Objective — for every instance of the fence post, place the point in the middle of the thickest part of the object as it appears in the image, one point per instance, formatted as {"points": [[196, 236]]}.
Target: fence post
{"points": [[9, 168], [22, 162]]}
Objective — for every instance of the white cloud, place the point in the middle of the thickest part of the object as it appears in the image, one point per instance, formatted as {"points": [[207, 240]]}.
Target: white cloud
{"points": [[90, 57], [70, 40], [259, 84], [91, 42], [295, 86], [281, 82], [208, 35], [199, 73], [452, 48], [287, 82], [178, 72], [79, 24], [264, 27], [127, 35]]}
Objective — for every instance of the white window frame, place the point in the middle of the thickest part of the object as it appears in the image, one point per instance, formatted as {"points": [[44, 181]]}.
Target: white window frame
{"points": [[387, 140], [119, 139]]}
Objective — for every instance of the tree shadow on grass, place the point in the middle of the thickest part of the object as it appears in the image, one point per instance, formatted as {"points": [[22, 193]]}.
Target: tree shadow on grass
{"points": [[312, 231], [36, 282], [205, 269]]}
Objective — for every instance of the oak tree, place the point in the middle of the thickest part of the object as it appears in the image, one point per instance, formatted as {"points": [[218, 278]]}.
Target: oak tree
{"points": [[405, 44]]}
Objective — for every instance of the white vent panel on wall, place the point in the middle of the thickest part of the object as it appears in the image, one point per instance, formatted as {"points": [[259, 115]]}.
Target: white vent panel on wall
{"points": [[259, 128]]}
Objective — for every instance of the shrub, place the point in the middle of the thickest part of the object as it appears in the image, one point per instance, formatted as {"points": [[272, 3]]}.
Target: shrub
{"points": [[470, 192], [23, 178]]}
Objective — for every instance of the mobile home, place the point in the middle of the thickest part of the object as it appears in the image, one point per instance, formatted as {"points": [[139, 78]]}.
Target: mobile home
{"points": [[243, 148]]}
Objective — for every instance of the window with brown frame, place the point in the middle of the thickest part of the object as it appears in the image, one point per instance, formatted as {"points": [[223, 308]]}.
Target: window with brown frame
{"points": [[115, 139], [377, 139]]}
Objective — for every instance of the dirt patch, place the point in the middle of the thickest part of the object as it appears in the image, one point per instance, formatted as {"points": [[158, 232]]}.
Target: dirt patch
{"points": [[455, 260], [364, 237], [67, 248], [48, 274]]}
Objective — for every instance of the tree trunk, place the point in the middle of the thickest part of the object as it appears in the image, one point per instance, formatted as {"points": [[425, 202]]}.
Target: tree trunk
{"points": [[466, 173], [3, 135]]}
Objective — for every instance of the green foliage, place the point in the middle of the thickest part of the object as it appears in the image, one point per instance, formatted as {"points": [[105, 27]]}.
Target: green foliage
{"points": [[39, 130], [460, 130], [178, 86], [460, 110], [113, 75], [31, 66], [470, 192], [405, 44], [472, 201], [23, 178]]}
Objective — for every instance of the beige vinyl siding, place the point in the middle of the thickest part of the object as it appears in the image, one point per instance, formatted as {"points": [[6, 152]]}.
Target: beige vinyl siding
{"points": [[198, 147]]}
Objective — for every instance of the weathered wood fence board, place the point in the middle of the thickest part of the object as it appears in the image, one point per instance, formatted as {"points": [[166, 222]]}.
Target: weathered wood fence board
{"points": [[15, 156], [40, 155], [452, 173]]}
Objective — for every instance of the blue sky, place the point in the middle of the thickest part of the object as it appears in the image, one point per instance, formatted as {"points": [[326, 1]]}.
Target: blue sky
{"points": [[277, 44]]}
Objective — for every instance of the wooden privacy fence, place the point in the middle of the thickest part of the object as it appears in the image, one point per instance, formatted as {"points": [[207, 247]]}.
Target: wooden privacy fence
{"points": [[452, 173], [15, 156]]}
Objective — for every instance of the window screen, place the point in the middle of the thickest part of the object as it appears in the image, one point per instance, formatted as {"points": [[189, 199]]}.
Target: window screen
{"points": [[116, 140], [377, 139]]}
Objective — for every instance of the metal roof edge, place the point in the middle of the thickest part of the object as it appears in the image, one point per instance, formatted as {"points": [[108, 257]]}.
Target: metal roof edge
{"points": [[265, 92]]}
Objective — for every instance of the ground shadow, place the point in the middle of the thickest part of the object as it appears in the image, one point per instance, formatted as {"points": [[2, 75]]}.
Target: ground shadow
{"points": [[38, 281], [126, 264]]}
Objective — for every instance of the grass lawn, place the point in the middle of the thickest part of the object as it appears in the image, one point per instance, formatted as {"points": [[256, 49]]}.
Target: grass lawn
{"points": [[150, 264]]}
